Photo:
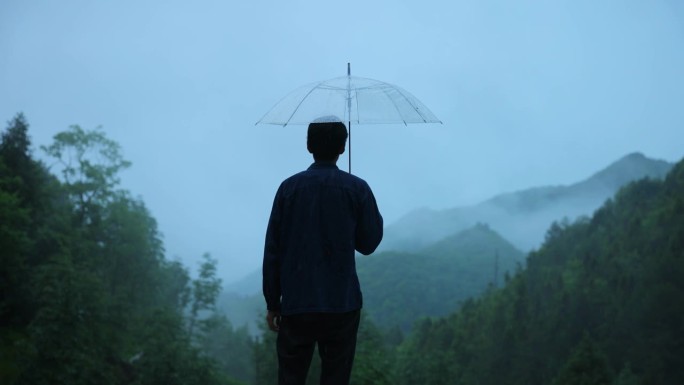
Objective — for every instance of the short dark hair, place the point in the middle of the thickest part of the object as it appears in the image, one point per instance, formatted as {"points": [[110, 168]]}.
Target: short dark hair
{"points": [[324, 140]]}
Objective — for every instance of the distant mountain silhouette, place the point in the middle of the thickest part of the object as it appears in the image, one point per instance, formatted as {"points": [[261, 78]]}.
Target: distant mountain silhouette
{"points": [[248, 285], [523, 217]]}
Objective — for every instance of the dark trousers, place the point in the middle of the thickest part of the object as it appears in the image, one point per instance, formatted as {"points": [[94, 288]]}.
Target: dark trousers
{"points": [[335, 334]]}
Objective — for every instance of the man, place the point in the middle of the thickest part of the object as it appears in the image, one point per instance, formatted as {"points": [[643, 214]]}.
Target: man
{"points": [[320, 217]]}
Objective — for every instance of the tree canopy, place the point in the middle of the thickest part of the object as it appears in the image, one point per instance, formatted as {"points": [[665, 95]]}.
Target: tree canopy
{"points": [[87, 295]]}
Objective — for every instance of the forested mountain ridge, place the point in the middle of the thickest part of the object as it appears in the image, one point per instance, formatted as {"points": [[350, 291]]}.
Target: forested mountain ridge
{"points": [[399, 288], [599, 303], [522, 217]]}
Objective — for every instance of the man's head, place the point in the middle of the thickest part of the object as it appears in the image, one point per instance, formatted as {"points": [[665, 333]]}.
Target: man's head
{"points": [[326, 140]]}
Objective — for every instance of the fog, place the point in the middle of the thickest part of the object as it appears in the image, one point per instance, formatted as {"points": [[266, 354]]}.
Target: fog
{"points": [[531, 93]]}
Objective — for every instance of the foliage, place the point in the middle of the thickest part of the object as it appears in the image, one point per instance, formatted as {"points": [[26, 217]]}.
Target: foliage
{"points": [[265, 356], [374, 357], [86, 294], [90, 163], [205, 290], [231, 348], [586, 366], [399, 288], [616, 277]]}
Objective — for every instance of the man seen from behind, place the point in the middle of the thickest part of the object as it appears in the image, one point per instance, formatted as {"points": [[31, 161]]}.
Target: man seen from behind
{"points": [[320, 218]]}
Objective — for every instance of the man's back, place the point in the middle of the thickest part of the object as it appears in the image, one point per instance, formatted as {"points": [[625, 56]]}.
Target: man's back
{"points": [[319, 218]]}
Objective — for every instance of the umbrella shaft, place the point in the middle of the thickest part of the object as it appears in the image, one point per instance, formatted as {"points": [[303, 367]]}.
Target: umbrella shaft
{"points": [[349, 153]]}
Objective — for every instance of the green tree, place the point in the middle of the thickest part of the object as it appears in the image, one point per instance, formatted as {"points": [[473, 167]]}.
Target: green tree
{"points": [[265, 356], [15, 152], [168, 356], [27, 206], [14, 310], [90, 163], [587, 365], [66, 344], [205, 291], [373, 361], [231, 348], [626, 377], [87, 295]]}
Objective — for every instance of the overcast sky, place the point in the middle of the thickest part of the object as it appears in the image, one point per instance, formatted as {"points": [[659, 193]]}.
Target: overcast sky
{"points": [[531, 93]]}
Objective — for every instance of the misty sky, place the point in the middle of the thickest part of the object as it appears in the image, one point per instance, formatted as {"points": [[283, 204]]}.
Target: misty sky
{"points": [[531, 93]]}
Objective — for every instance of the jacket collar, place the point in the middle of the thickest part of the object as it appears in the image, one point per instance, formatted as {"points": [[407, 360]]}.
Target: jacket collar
{"points": [[323, 164]]}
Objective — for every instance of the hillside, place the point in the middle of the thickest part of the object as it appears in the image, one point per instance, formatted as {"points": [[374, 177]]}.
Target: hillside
{"points": [[399, 288], [523, 217], [599, 303], [248, 285]]}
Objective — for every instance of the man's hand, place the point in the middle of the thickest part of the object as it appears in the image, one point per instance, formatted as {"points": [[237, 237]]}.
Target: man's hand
{"points": [[273, 319]]}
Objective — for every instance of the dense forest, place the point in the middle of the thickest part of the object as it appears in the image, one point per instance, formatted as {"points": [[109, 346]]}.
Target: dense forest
{"points": [[599, 303], [87, 295]]}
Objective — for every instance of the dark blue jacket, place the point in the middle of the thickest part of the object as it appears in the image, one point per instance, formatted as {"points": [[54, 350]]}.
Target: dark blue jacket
{"points": [[319, 218]]}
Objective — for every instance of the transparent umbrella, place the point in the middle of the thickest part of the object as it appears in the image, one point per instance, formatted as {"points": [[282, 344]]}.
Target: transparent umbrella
{"points": [[349, 99]]}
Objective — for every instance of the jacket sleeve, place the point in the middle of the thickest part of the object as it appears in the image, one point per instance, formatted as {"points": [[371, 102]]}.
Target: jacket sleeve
{"points": [[369, 224], [272, 255]]}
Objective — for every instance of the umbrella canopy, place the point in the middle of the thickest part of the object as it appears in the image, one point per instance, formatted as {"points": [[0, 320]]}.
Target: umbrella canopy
{"points": [[349, 99]]}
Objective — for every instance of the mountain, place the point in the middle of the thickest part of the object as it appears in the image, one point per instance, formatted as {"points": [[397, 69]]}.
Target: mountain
{"points": [[523, 217], [248, 285], [600, 302], [400, 288]]}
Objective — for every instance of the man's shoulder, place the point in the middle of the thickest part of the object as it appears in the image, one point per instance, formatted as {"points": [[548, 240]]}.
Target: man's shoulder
{"points": [[335, 176], [295, 177], [353, 179]]}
